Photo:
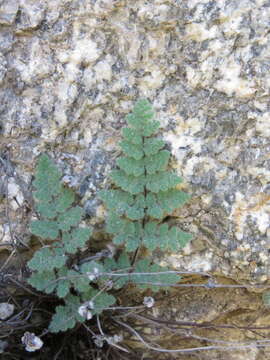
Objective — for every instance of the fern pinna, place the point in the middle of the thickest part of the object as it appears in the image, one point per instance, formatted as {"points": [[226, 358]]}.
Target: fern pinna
{"points": [[146, 192]]}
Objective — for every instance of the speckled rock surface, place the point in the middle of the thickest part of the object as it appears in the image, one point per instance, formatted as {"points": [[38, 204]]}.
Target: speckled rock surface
{"points": [[71, 70]]}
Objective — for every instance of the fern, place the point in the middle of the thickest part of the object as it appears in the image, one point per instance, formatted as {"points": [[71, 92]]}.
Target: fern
{"points": [[146, 190], [59, 221], [146, 193]]}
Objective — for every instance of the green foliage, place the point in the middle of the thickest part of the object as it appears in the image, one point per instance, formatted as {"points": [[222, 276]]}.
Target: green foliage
{"points": [[43, 281], [66, 316], [150, 274], [53, 202], [75, 239], [146, 191], [144, 274], [47, 181], [92, 268], [100, 300], [162, 236], [121, 265], [51, 271], [45, 229], [58, 221], [47, 258], [125, 231], [266, 298]]}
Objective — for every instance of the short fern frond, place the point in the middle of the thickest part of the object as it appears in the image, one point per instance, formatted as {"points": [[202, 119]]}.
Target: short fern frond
{"points": [[146, 190], [59, 221]]}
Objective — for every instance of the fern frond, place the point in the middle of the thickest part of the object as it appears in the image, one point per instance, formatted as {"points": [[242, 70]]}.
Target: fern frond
{"points": [[146, 190], [59, 221]]}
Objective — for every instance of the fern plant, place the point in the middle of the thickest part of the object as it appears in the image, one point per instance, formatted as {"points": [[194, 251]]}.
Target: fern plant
{"points": [[146, 191], [51, 268]]}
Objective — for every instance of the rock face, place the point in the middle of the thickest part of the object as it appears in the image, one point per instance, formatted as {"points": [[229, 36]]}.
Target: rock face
{"points": [[71, 70]]}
